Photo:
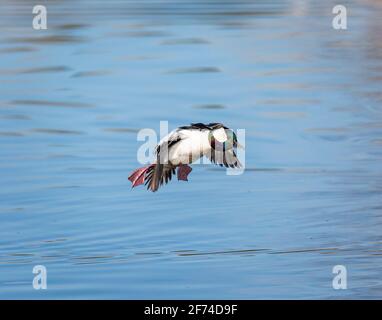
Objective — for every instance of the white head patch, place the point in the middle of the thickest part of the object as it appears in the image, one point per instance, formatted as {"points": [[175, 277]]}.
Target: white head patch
{"points": [[220, 135]]}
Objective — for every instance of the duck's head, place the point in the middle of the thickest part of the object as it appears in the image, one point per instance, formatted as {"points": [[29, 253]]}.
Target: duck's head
{"points": [[222, 139]]}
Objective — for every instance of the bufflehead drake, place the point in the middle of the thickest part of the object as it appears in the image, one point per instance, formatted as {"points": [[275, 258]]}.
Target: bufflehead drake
{"points": [[184, 146]]}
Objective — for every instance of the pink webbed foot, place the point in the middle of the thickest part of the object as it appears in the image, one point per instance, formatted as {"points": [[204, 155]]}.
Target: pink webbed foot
{"points": [[138, 176], [183, 172]]}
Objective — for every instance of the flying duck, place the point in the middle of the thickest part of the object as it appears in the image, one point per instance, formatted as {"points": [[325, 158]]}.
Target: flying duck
{"points": [[182, 147]]}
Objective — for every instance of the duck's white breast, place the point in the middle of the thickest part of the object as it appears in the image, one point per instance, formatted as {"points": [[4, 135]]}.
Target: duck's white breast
{"points": [[193, 144]]}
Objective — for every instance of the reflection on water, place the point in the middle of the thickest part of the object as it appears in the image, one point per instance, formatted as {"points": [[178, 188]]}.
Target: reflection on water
{"points": [[73, 97]]}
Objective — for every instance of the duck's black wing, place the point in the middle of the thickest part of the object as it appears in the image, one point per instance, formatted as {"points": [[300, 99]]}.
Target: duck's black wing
{"points": [[226, 158], [158, 175], [202, 126], [162, 172]]}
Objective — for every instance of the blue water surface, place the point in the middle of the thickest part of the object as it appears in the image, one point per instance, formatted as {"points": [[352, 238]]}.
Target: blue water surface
{"points": [[74, 96]]}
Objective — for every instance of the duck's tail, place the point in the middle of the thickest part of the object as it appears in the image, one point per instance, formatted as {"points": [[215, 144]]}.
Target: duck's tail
{"points": [[157, 175]]}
